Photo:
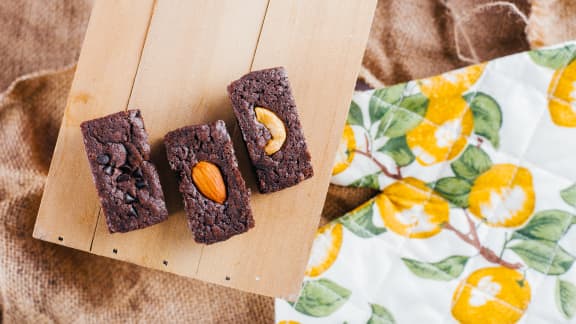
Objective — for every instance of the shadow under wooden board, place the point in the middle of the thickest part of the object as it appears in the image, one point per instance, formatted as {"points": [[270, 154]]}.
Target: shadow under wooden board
{"points": [[173, 59]]}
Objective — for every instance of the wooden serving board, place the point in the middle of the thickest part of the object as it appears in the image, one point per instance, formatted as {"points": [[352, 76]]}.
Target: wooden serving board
{"points": [[173, 59]]}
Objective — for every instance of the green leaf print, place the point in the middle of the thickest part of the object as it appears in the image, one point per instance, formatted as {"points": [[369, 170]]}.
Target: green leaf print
{"points": [[398, 121], [321, 298], [359, 221], [554, 58], [455, 190], [566, 298], [445, 270], [569, 195], [355, 115], [472, 163], [487, 116], [369, 181], [544, 256], [398, 149], [383, 99], [548, 225], [380, 315]]}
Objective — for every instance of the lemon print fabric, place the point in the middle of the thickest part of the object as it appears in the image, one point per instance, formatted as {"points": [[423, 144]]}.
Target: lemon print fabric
{"points": [[491, 295], [562, 94], [443, 135], [562, 87], [414, 125], [345, 152], [409, 208], [472, 215], [452, 83], [325, 249], [503, 196], [449, 120]]}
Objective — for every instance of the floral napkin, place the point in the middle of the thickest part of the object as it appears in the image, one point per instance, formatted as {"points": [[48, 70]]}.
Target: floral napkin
{"points": [[473, 224]]}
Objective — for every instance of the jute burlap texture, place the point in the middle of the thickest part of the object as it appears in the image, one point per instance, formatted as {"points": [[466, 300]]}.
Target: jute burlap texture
{"points": [[41, 282]]}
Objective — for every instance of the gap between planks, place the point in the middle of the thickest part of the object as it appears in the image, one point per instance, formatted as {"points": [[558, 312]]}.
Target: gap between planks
{"points": [[259, 35], [150, 17]]}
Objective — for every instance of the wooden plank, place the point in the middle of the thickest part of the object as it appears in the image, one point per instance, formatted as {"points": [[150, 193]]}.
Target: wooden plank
{"points": [[321, 43], [193, 50], [102, 84]]}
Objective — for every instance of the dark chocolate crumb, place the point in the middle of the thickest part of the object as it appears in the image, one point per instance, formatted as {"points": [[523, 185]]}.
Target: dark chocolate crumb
{"points": [[227, 278], [115, 251], [103, 159], [165, 262], [123, 177], [60, 238]]}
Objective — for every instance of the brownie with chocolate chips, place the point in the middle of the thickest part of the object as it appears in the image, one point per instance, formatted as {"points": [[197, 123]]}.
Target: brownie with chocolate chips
{"points": [[216, 199], [264, 106], [127, 182]]}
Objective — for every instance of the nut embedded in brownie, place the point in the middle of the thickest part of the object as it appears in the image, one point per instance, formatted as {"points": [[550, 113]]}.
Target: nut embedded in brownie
{"points": [[127, 182], [216, 199], [266, 112]]}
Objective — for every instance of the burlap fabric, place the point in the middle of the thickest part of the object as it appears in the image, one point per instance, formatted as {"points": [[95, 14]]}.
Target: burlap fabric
{"points": [[41, 282]]}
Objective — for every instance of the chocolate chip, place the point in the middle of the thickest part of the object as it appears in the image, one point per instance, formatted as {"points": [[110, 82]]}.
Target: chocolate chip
{"points": [[123, 177], [108, 170], [103, 159], [129, 199], [125, 168], [137, 173], [140, 183], [133, 211]]}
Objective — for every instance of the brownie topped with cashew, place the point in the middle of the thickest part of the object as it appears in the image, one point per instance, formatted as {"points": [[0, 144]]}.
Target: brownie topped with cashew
{"points": [[216, 199], [264, 106]]}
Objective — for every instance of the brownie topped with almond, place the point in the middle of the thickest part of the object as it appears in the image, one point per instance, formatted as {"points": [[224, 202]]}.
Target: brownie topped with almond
{"points": [[216, 200]]}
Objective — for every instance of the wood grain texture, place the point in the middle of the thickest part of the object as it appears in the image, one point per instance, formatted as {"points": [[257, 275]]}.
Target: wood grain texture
{"points": [[192, 50]]}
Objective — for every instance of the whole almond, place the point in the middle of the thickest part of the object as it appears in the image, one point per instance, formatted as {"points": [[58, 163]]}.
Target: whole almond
{"points": [[208, 179]]}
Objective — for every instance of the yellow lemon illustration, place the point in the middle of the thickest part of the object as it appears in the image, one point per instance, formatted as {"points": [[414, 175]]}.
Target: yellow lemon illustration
{"points": [[326, 247], [288, 322], [562, 94], [442, 136], [503, 196], [451, 83], [409, 208], [345, 153], [491, 295]]}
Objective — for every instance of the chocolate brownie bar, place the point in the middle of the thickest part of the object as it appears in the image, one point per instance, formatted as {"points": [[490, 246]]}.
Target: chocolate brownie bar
{"points": [[126, 180], [216, 199], [266, 112]]}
